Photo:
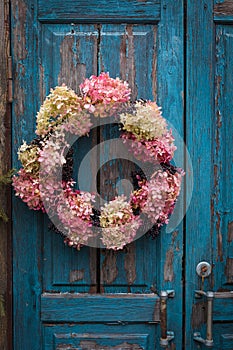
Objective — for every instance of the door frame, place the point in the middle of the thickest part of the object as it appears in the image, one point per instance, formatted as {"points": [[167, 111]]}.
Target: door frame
{"points": [[5, 193]]}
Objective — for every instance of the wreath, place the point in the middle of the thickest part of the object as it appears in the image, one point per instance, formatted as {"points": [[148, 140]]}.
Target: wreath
{"points": [[45, 180]]}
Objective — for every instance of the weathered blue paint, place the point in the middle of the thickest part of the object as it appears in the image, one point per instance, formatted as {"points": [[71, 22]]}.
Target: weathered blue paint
{"points": [[123, 11], [144, 45], [209, 130], [199, 136], [100, 337]]}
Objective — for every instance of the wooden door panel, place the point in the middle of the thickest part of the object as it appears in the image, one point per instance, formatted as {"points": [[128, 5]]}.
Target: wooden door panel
{"points": [[60, 307], [63, 42], [223, 165], [108, 337], [133, 58], [68, 55], [67, 269], [209, 135], [92, 11], [128, 271]]}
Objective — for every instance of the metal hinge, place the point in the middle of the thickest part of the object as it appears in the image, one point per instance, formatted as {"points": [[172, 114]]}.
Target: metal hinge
{"points": [[10, 80]]}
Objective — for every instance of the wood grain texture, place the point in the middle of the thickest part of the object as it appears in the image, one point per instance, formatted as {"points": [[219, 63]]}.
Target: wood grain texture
{"points": [[27, 225], [75, 48], [93, 11], [5, 163], [222, 199], [223, 7], [106, 336], [170, 92], [199, 136], [131, 270], [105, 308]]}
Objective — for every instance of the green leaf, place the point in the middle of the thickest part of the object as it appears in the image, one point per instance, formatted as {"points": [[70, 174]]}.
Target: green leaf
{"points": [[6, 178], [3, 215], [2, 309]]}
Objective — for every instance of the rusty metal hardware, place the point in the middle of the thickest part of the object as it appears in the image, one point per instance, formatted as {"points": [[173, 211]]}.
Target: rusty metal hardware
{"points": [[208, 342], [203, 269], [10, 80], [166, 336]]}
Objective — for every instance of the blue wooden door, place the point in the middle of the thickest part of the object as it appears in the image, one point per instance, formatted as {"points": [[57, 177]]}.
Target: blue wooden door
{"points": [[93, 299], [209, 105]]}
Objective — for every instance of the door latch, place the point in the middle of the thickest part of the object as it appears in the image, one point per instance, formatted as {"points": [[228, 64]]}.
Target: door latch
{"points": [[208, 341], [166, 336]]}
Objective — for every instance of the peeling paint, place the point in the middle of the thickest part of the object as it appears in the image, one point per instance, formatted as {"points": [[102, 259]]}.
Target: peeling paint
{"points": [[41, 84], [215, 175], [123, 57], [91, 345], [168, 266], [127, 60], [20, 18], [76, 275], [198, 317], [130, 62], [154, 65], [93, 263], [229, 270], [218, 230], [72, 72], [109, 270], [230, 232], [218, 89], [219, 124], [224, 8], [130, 263]]}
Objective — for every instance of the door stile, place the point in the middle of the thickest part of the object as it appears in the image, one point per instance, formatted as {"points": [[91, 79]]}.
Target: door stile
{"points": [[170, 94], [199, 136]]}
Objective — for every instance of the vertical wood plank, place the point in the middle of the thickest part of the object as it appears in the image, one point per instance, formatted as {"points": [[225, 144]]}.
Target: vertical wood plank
{"points": [[27, 225], [199, 136], [223, 155], [68, 55], [5, 163], [127, 271], [170, 92]]}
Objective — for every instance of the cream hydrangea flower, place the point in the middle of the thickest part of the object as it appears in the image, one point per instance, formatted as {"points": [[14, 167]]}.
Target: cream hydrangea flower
{"points": [[28, 155], [146, 123], [60, 104]]}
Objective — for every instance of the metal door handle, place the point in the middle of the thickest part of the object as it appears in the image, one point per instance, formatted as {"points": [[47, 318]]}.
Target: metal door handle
{"points": [[208, 341], [166, 336]]}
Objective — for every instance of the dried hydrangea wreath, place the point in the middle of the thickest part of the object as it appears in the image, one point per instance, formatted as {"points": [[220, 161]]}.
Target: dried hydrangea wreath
{"points": [[62, 112]]}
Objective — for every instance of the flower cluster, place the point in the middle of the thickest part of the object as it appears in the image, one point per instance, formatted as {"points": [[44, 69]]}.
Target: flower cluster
{"points": [[119, 223], [62, 118], [75, 211], [27, 188], [160, 150], [146, 133], [62, 103], [146, 123], [103, 95], [28, 155]]}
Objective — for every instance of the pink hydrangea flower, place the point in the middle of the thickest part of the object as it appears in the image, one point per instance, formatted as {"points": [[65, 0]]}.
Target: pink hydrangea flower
{"points": [[160, 150], [104, 95], [27, 188]]}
